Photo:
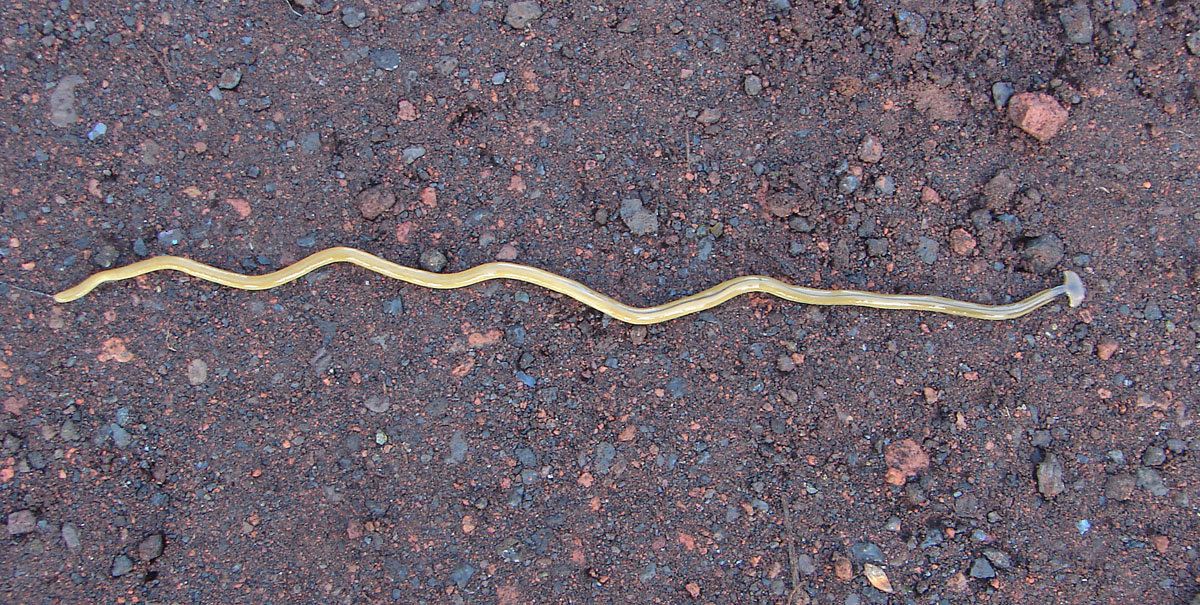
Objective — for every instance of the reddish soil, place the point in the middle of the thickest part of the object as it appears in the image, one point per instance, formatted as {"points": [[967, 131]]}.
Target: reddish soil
{"points": [[351, 439]]}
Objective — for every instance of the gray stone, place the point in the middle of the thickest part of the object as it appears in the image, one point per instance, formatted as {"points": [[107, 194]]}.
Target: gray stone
{"points": [[526, 457], [1119, 487], [752, 85], [1152, 311], [71, 537], [910, 24], [197, 372], [151, 547], [106, 256], [982, 569], [446, 65], [1050, 476], [998, 558], [927, 250], [639, 220], [458, 448], [877, 247], [1042, 254], [648, 572], [310, 142], [806, 565], [230, 78], [1193, 42], [1154, 456], [1077, 23], [1001, 93], [462, 575], [415, 6], [62, 101], [170, 237], [433, 260], [605, 453], [352, 16], [521, 14], [377, 403], [385, 59], [394, 306], [849, 184], [120, 436], [412, 154], [69, 431], [801, 224], [121, 565], [866, 552], [1151, 481], [21, 522]]}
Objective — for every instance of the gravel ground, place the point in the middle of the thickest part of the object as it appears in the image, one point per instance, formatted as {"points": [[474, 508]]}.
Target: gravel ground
{"points": [[351, 439]]}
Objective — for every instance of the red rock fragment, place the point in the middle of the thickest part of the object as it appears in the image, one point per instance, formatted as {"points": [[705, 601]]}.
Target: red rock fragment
{"points": [[904, 459], [961, 242], [1038, 114], [375, 201]]}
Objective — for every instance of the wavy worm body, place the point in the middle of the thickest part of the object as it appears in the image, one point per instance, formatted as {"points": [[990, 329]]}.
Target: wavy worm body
{"points": [[1072, 287]]}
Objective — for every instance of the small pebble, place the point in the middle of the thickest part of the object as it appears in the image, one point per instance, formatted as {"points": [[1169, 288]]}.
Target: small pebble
{"points": [[1077, 23], [877, 247], [385, 59], [1050, 476], [462, 575], [639, 220], [230, 78], [352, 16], [197, 372], [433, 260], [1042, 254], [21, 522], [71, 536], [998, 558], [97, 131], [521, 14], [866, 552], [1119, 487], [927, 250], [849, 184], [1001, 93], [910, 24], [377, 403], [1154, 456], [1038, 114], [885, 185], [121, 565], [151, 547], [709, 116], [752, 85], [1151, 481], [412, 154], [870, 150], [1193, 42], [120, 436], [106, 256], [982, 569]]}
